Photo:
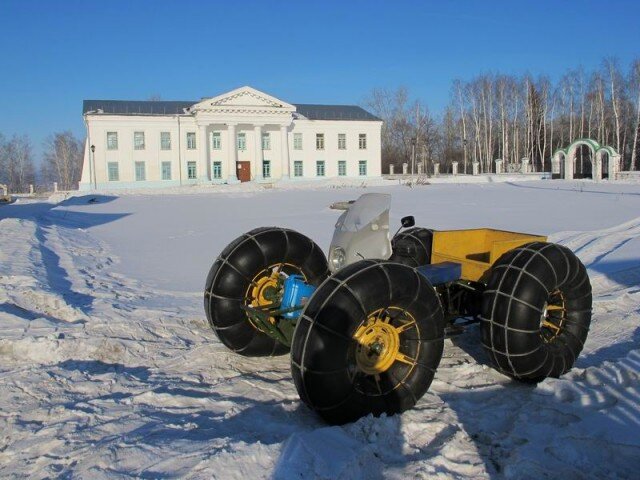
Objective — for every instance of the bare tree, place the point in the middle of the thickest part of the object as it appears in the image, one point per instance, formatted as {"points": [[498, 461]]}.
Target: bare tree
{"points": [[16, 163], [615, 92], [634, 82], [506, 116], [62, 161]]}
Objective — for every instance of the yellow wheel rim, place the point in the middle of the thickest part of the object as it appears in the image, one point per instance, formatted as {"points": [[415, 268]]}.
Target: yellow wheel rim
{"points": [[553, 316], [263, 290], [378, 341], [266, 286]]}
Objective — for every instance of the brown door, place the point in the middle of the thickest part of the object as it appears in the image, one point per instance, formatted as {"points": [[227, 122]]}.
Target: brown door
{"points": [[243, 170]]}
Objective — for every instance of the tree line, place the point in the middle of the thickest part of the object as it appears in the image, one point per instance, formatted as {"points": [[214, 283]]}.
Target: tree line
{"points": [[510, 117], [61, 163]]}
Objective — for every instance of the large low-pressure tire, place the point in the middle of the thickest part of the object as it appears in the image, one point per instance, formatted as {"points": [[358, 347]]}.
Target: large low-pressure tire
{"points": [[368, 342], [243, 274], [536, 311], [412, 247]]}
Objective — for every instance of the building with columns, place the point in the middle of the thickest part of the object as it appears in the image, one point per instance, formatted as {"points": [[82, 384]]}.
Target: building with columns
{"points": [[243, 135]]}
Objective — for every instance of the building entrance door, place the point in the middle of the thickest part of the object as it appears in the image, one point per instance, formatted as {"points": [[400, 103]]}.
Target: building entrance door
{"points": [[243, 170]]}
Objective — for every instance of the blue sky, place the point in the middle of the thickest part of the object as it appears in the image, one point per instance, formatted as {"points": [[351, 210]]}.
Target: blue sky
{"points": [[55, 54]]}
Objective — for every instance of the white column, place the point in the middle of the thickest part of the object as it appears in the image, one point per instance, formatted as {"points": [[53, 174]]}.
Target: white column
{"points": [[498, 166], [568, 166], [203, 158], [524, 168], [420, 169], [436, 169], [257, 155], [284, 146], [454, 168], [405, 168], [614, 167], [596, 168], [476, 168], [391, 169], [232, 153]]}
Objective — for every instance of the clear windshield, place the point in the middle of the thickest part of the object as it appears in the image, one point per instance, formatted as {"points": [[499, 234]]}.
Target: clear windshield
{"points": [[365, 210]]}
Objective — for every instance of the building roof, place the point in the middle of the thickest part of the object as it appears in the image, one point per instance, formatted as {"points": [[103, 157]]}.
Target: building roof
{"points": [[136, 107], [161, 107], [334, 112]]}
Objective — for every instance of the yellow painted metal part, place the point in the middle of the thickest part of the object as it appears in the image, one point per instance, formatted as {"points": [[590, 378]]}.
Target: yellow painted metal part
{"points": [[476, 249], [379, 342], [265, 285]]}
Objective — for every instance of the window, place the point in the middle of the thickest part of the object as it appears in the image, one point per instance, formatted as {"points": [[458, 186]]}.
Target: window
{"points": [[362, 141], [266, 169], [242, 141], [319, 141], [216, 141], [166, 170], [297, 168], [140, 174], [342, 141], [165, 140], [191, 140], [320, 168], [138, 140], [362, 167], [217, 169], [112, 141], [114, 175], [191, 170], [266, 141], [297, 141], [342, 168]]}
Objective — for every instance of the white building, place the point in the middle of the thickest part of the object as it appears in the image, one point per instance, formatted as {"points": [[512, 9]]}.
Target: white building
{"points": [[159, 143]]}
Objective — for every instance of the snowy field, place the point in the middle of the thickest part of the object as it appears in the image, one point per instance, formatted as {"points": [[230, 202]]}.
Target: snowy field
{"points": [[108, 368]]}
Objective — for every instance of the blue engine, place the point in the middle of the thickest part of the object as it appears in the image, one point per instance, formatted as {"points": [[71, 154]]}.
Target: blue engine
{"points": [[296, 294]]}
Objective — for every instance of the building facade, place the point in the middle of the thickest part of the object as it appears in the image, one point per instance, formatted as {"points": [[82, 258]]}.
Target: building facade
{"points": [[242, 135]]}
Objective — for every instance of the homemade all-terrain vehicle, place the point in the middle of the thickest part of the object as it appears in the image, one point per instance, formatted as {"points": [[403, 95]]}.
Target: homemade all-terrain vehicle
{"points": [[366, 328]]}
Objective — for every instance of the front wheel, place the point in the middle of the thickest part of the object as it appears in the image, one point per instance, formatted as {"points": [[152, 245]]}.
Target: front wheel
{"points": [[248, 273], [536, 311], [368, 342]]}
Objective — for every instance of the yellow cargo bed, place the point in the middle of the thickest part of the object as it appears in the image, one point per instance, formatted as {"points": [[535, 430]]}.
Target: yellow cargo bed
{"points": [[476, 249]]}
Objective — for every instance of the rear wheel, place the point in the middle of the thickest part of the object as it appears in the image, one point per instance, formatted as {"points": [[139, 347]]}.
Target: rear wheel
{"points": [[368, 342], [412, 247], [536, 311], [248, 273]]}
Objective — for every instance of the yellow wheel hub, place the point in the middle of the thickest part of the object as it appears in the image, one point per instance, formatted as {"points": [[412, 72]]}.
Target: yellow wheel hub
{"points": [[263, 290], [553, 316], [378, 342]]}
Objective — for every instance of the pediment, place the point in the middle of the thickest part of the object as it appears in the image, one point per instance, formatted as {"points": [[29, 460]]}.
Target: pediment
{"points": [[246, 97]]}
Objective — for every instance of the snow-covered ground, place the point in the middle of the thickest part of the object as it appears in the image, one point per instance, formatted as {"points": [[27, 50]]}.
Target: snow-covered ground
{"points": [[109, 370]]}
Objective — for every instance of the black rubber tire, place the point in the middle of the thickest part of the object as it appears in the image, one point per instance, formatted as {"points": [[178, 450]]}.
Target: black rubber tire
{"points": [[520, 284], [323, 353], [231, 274], [412, 247]]}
